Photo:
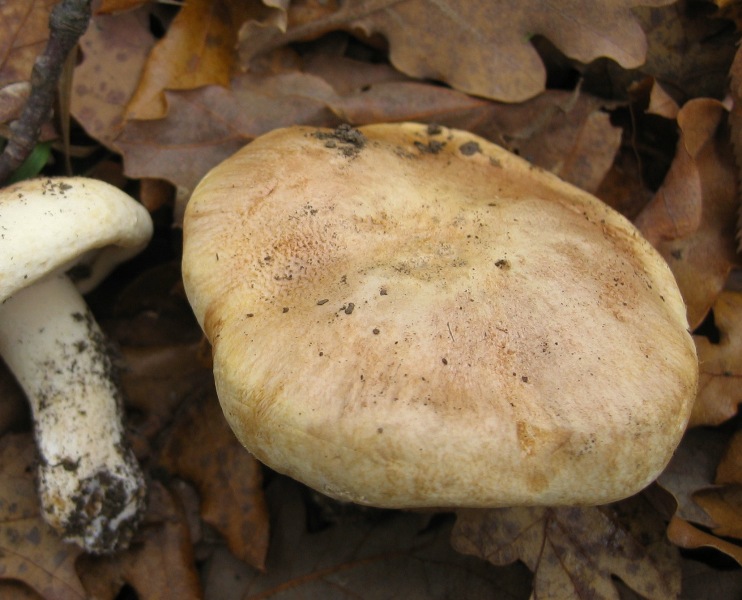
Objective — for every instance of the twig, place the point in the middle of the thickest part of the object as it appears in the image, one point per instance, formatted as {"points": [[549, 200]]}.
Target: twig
{"points": [[67, 22]]}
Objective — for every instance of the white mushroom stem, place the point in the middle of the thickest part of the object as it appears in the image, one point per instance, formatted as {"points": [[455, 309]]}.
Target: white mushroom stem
{"points": [[91, 487]]}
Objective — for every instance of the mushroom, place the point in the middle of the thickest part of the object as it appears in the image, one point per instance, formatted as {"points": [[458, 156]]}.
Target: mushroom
{"points": [[58, 239], [408, 316]]}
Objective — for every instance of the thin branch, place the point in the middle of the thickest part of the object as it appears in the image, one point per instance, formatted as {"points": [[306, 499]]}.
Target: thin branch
{"points": [[67, 22]]}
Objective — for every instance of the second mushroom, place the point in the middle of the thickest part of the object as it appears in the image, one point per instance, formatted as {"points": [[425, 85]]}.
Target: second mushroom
{"points": [[58, 238]]}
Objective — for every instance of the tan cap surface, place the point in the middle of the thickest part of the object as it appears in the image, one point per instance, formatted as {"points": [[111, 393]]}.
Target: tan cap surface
{"points": [[416, 317]]}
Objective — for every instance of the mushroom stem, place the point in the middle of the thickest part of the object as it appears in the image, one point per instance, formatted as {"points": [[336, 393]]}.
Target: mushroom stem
{"points": [[91, 488]]}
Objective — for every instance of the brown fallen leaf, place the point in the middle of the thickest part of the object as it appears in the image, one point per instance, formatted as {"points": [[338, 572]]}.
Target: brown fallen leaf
{"points": [[691, 219], [205, 126], [367, 553], [689, 50], [661, 103], [17, 591], [724, 506], [100, 90], [202, 449], [685, 535], [30, 551], [574, 552], [326, 58], [729, 470], [720, 376], [23, 33], [693, 468], [701, 478], [156, 380], [197, 50], [494, 57], [723, 503], [160, 562]]}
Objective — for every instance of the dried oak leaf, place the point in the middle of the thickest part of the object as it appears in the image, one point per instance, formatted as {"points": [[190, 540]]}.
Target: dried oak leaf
{"points": [[24, 30], [709, 499], [367, 553], [30, 551], [197, 50], [729, 470], [689, 49], [160, 562], [202, 449], [493, 56], [574, 552], [724, 502], [114, 51], [691, 218], [693, 468], [685, 535], [720, 381], [205, 126]]}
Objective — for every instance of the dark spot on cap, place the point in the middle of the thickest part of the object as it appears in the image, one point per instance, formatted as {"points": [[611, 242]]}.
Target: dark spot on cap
{"points": [[469, 148]]}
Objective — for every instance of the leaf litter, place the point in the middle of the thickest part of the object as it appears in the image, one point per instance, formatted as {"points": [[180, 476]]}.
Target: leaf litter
{"points": [[637, 102]]}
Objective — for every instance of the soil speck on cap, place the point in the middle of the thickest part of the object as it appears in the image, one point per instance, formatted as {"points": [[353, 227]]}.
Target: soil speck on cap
{"points": [[469, 148], [432, 147], [346, 139]]}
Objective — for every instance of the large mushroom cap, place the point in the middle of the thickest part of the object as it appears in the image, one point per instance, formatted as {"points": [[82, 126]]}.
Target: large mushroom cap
{"points": [[412, 316]]}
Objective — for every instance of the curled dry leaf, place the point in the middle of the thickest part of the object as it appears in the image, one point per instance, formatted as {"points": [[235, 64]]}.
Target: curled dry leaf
{"points": [[494, 37], [720, 374], [30, 551], [692, 469], [730, 466], [574, 552], [707, 497], [371, 555], [685, 535], [691, 218], [219, 124], [201, 448], [724, 503], [724, 506], [567, 133], [197, 50]]}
